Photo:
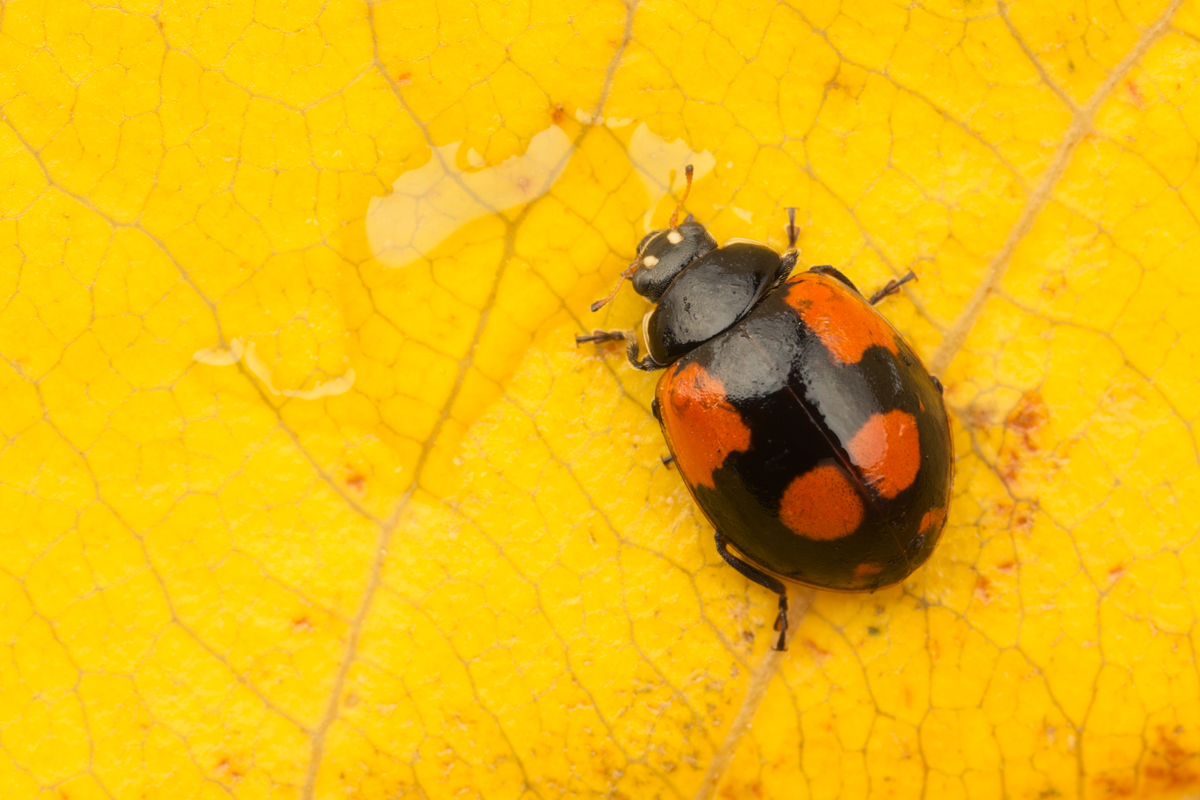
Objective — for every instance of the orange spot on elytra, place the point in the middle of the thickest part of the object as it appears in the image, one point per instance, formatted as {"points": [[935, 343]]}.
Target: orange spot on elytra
{"points": [[864, 572], [933, 520], [701, 423], [825, 305], [821, 504], [888, 451]]}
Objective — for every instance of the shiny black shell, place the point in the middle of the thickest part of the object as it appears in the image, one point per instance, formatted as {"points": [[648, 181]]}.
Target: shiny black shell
{"points": [[714, 292], [812, 437]]}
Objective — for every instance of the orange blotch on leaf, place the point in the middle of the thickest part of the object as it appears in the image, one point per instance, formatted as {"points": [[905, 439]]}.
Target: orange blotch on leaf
{"points": [[702, 424], [842, 321], [888, 451], [821, 504]]}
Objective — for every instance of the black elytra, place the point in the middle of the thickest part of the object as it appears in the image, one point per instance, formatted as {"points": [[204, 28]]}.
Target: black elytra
{"points": [[807, 430]]}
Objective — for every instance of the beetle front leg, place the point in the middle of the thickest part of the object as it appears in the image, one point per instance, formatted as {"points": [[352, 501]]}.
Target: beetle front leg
{"points": [[762, 579], [646, 364]]}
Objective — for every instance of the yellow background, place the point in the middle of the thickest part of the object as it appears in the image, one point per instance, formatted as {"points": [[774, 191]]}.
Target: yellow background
{"points": [[305, 491]]}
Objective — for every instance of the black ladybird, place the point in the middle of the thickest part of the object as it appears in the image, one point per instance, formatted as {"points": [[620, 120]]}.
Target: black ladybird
{"points": [[805, 427]]}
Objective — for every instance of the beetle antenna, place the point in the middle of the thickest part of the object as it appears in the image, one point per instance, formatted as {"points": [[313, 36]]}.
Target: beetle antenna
{"points": [[793, 233], [687, 171], [599, 304]]}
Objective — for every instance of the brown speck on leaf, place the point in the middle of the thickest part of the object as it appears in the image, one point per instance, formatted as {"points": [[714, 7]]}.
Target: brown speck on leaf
{"points": [[978, 417], [983, 590], [1023, 439], [1115, 572], [404, 79], [737, 793], [818, 651], [1113, 786], [1055, 286], [1022, 521], [1029, 416], [1134, 93], [1006, 568], [557, 115], [356, 481], [301, 625], [1169, 768]]}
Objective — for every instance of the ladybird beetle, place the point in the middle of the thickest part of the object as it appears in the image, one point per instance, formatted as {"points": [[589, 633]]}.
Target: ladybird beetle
{"points": [[805, 427]]}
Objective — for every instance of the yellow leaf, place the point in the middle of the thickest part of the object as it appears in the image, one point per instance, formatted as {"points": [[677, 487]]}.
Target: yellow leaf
{"points": [[309, 494]]}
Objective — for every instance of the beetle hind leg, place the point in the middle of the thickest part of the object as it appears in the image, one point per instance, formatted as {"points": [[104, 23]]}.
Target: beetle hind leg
{"points": [[762, 579]]}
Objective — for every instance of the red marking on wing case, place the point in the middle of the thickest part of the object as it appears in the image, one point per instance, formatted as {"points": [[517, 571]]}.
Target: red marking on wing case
{"points": [[842, 321], [701, 424], [821, 504], [888, 451]]}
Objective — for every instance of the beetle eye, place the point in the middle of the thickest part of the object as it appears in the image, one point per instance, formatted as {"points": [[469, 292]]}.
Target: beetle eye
{"points": [[645, 239]]}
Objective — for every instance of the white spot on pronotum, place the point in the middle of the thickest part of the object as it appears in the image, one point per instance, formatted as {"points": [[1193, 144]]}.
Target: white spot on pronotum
{"points": [[650, 262], [674, 237]]}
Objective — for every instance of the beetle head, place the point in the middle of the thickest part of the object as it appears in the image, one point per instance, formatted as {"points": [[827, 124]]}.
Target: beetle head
{"points": [[663, 254]]}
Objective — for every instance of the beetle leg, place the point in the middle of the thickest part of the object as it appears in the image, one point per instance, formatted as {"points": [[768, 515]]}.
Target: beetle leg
{"points": [[786, 265], [892, 287], [667, 460], [646, 364], [762, 579]]}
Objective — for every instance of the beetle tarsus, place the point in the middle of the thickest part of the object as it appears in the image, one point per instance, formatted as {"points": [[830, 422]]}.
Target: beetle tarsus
{"points": [[892, 287], [667, 461], [793, 233], [781, 622], [599, 337], [762, 579]]}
